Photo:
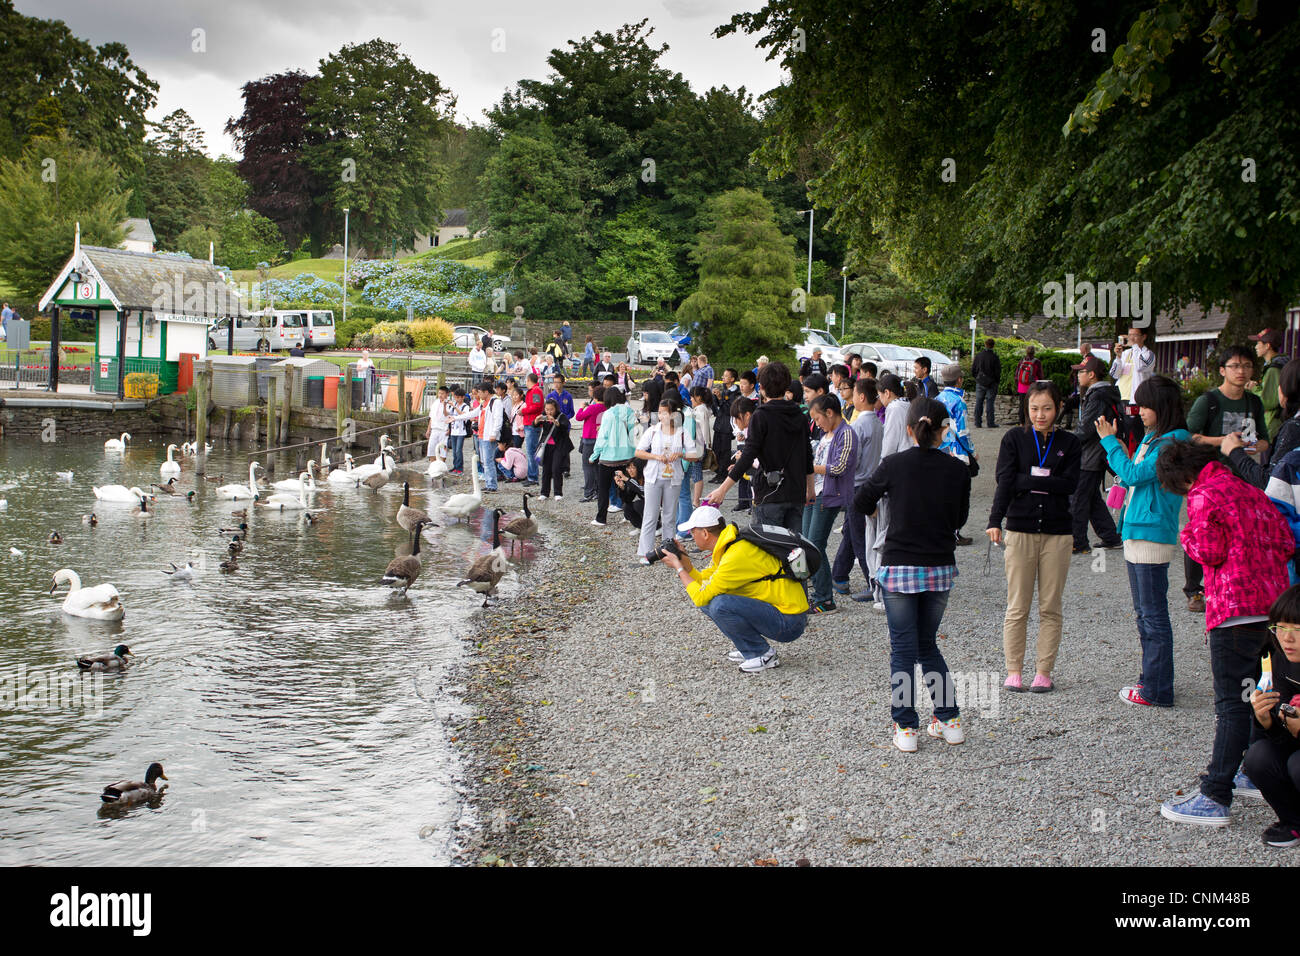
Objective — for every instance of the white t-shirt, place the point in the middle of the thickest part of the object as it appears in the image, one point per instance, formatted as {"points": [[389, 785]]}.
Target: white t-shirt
{"points": [[477, 360], [820, 454], [655, 441]]}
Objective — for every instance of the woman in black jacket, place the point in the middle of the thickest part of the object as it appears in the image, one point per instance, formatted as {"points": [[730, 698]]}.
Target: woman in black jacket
{"points": [[1271, 762], [555, 449], [1288, 436], [1038, 470]]}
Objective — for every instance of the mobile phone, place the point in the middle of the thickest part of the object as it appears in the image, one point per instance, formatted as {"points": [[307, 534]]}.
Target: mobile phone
{"points": [[1122, 340]]}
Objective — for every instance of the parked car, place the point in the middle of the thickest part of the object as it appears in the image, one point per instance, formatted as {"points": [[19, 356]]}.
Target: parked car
{"points": [[319, 333], [937, 359], [647, 347], [464, 337], [819, 338], [680, 335], [887, 358], [269, 331]]}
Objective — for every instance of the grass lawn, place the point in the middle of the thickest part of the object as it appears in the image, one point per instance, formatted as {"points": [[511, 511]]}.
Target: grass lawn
{"points": [[381, 361], [325, 268]]}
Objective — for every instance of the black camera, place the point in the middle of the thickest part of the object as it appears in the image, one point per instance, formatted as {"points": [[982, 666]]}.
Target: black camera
{"points": [[668, 547]]}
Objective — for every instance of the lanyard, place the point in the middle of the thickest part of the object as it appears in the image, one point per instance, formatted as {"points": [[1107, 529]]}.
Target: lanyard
{"points": [[1042, 456]]}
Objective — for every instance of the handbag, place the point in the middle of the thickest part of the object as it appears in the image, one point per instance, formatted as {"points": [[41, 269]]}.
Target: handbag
{"points": [[1116, 495]]}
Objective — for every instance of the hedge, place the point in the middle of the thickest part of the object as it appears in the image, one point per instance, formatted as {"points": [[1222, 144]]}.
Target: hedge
{"points": [[69, 330]]}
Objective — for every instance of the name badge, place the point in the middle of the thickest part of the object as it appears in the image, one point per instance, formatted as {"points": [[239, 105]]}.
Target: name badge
{"points": [[1040, 472]]}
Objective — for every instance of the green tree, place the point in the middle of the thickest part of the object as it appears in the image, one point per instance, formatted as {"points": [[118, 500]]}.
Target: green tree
{"points": [[745, 302], [636, 260], [43, 195], [247, 238], [374, 122], [175, 182], [879, 297]]}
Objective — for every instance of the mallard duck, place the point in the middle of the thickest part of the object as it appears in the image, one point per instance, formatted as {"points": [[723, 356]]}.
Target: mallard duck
{"points": [[520, 528], [484, 574], [241, 531], [91, 519], [311, 518], [235, 547], [56, 538], [402, 572], [106, 662], [215, 479], [133, 791], [241, 513], [228, 567]]}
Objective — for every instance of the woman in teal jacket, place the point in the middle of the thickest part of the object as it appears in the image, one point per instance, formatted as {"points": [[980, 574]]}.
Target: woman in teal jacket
{"points": [[1149, 527], [615, 446]]}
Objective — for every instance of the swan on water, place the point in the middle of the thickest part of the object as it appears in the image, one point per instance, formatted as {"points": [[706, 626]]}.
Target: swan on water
{"points": [[101, 602], [235, 492], [169, 468], [120, 493], [117, 444]]}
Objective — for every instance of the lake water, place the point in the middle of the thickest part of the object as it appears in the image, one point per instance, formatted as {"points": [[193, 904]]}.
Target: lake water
{"points": [[296, 705]]}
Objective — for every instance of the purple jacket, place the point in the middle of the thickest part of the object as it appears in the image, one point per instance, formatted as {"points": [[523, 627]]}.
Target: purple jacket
{"points": [[841, 465]]}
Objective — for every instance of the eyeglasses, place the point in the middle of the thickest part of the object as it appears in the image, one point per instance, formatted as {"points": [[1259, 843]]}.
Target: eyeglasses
{"points": [[1277, 630]]}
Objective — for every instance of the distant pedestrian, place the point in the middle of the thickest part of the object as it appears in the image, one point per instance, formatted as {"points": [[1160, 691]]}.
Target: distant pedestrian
{"points": [[1029, 371], [987, 369], [588, 357]]}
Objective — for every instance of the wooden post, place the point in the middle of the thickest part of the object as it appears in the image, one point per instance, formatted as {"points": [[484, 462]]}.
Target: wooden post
{"points": [[201, 375], [270, 419], [288, 405], [345, 400]]}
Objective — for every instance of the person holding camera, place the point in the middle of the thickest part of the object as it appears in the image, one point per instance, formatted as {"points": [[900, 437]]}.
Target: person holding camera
{"points": [[743, 590], [556, 446], [628, 481], [661, 447], [1272, 762]]}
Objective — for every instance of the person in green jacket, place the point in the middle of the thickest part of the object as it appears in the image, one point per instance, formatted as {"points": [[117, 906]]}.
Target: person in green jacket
{"points": [[1266, 345], [1149, 526]]}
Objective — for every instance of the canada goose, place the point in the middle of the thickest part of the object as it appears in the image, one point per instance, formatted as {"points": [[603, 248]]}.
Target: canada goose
{"points": [[117, 444], [166, 488], [185, 573], [520, 528], [119, 493], [106, 662], [463, 505], [487, 570], [91, 519], [56, 538], [144, 511], [133, 791], [283, 501], [169, 467], [101, 602], [230, 566], [408, 516], [380, 478], [402, 572], [235, 492], [64, 476]]}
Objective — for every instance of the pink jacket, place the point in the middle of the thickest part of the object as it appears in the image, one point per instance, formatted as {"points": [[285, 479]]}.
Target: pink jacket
{"points": [[589, 415], [1242, 541]]}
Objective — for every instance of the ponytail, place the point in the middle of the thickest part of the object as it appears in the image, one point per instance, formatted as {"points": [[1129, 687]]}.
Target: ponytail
{"points": [[926, 418]]}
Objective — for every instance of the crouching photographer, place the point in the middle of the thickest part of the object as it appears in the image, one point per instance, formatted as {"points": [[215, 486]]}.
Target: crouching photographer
{"points": [[745, 590]]}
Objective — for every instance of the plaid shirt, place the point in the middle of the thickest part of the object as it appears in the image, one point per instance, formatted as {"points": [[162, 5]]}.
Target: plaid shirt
{"points": [[912, 579]]}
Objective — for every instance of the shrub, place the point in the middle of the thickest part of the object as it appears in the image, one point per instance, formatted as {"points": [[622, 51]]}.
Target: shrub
{"points": [[1197, 386], [386, 335], [613, 343], [431, 335], [70, 330], [345, 332]]}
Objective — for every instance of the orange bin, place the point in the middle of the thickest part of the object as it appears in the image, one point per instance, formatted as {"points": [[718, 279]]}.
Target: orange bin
{"points": [[185, 374], [331, 391], [414, 388]]}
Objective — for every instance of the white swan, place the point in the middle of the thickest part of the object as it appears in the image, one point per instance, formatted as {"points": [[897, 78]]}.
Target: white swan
{"points": [[362, 472], [292, 484], [235, 492], [64, 476], [287, 502], [117, 444], [102, 602], [345, 475], [120, 493], [438, 468], [169, 468], [463, 505], [191, 448]]}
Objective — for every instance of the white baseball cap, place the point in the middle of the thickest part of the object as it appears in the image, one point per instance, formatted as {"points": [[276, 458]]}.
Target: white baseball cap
{"points": [[705, 516]]}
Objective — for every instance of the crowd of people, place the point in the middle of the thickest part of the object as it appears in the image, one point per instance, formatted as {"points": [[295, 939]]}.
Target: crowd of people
{"points": [[894, 459]]}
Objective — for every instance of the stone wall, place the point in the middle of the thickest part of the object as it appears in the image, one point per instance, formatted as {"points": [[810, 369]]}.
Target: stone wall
{"points": [[540, 331], [76, 423]]}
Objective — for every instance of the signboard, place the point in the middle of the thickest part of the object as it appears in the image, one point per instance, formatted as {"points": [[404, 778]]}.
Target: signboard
{"points": [[972, 323], [103, 368], [85, 290], [187, 319]]}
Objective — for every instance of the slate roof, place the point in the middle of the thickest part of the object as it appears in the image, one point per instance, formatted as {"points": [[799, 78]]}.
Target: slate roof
{"points": [[455, 217], [1193, 319], [139, 229], [132, 275]]}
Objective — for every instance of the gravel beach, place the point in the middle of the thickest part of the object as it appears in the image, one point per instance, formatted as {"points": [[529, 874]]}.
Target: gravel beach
{"points": [[607, 726]]}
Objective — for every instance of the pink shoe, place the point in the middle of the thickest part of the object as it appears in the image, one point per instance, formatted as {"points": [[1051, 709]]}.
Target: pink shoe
{"points": [[1041, 685], [1013, 683]]}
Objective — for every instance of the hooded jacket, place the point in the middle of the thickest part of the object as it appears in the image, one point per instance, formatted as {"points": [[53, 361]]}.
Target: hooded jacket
{"points": [[1099, 401], [778, 438], [1241, 540], [1150, 513]]}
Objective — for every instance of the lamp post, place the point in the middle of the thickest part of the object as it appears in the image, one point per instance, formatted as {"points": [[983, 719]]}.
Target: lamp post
{"points": [[345, 263], [844, 299], [812, 214], [632, 304]]}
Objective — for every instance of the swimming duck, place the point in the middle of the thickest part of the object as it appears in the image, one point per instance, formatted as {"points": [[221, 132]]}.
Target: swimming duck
{"points": [[133, 791], [90, 519], [56, 538], [106, 662], [230, 566]]}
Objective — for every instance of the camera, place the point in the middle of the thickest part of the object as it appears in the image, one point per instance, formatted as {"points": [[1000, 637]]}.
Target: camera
{"points": [[1286, 710], [668, 547]]}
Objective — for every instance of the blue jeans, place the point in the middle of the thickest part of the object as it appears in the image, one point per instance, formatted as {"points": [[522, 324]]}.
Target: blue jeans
{"points": [[786, 514], [1234, 665], [748, 622], [853, 545], [457, 452], [817, 523], [913, 623], [487, 450], [693, 472], [1149, 584], [982, 393], [532, 435]]}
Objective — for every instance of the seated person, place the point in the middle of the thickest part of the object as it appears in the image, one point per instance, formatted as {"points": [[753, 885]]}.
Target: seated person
{"points": [[742, 590], [1272, 763], [628, 480], [512, 463]]}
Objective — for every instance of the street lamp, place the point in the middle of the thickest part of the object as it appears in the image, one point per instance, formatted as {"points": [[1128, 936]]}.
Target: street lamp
{"points": [[632, 304], [844, 298], [812, 214], [345, 263]]}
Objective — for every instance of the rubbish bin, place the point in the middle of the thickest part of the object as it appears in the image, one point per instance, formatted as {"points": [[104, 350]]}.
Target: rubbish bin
{"points": [[314, 391], [357, 392], [331, 391]]}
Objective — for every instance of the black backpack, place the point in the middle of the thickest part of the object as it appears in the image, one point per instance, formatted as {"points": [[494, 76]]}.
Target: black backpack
{"points": [[783, 544]]}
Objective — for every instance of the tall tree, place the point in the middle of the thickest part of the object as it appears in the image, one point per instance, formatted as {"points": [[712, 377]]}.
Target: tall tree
{"points": [[175, 181], [635, 259], [937, 141], [374, 124], [272, 136], [43, 195]]}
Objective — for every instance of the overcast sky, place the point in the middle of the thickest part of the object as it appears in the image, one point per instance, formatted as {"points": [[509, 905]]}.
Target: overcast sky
{"points": [[247, 39]]}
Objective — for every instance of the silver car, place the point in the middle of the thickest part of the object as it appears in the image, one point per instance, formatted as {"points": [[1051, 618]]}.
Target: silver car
{"points": [[647, 347]]}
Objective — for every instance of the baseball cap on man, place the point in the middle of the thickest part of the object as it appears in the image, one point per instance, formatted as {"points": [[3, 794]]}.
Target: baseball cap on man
{"points": [[950, 373], [1090, 363], [705, 516], [1271, 336]]}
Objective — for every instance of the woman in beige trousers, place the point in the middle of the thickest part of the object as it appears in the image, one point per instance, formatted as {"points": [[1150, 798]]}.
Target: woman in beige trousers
{"points": [[1038, 470]]}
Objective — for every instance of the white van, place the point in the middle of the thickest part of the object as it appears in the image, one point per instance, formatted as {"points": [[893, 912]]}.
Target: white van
{"points": [[268, 331], [319, 333]]}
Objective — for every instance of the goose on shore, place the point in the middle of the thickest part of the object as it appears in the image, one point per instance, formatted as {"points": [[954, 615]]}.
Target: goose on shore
{"points": [[115, 661], [117, 444], [119, 493], [402, 572], [464, 505], [408, 516], [169, 468], [133, 791], [101, 602], [520, 528], [235, 492], [486, 572]]}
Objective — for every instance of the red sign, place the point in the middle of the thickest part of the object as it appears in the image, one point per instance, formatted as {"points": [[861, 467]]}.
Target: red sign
{"points": [[103, 368]]}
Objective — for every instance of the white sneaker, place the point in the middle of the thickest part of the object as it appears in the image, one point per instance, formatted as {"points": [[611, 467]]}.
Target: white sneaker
{"points": [[905, 739], [615, 508], [879, 606], [633, 532], [950, 731], [752, 665], [559, 497], [598, 524], [540, 498], [736, 657], [642, 559]]}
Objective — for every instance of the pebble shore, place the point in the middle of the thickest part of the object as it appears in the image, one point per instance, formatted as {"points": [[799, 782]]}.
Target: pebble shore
{"points": [[607, 727]]}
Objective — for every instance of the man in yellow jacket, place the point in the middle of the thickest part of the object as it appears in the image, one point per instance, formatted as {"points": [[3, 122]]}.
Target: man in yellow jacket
{"points": [[741, 591]]}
